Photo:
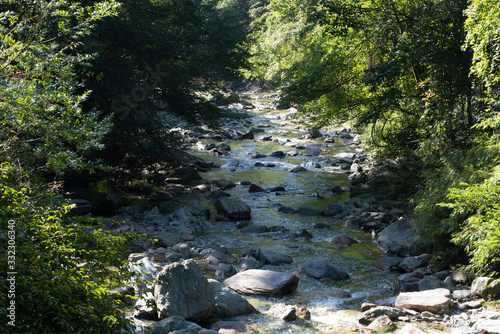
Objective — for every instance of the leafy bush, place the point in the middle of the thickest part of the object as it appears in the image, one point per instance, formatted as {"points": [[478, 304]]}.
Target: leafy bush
{"points": [[65, 266]]}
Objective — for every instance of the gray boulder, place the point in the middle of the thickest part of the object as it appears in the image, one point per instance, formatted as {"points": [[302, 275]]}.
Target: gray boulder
{"points": [[320, 269], [432, 282], [228, 303], [198, 210], [275, 259], [256, 229], [177, 325], [183, 290], [183, 249], [233, 209], [486, 287], [332, 209], [263, 282], [248, 263], [398, 237], [225, 270]]}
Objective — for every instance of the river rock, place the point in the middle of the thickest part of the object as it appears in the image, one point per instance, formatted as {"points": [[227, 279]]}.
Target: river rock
{"points": [[289, 312], [410, 329], [224, 147], [228, 303], [144, 307], [308, 210], [298, 169], [274, 258], [255, 228], [490, 326], [287, 210], [256, 189], [178, 325], [233, 209], [248, 263], [278, 154], [183, 290], [332, 209], [373, 313], [486, 287], [183, 249], [411, 263], [387, 263], [320, 269], [429, 300], [383, 323], [342, 240], [231, 327], [432, 282], [225, 270], [263, 282], [222, 257], [398, 237]]}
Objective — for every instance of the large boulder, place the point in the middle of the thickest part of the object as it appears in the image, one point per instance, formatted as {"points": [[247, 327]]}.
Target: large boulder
{"points": [[228, 303], [263, 282], [233, 209], [429, 300], [320, 269], [398, 237], [183, 290], [178, 325], [198, 210], [486, 287]]}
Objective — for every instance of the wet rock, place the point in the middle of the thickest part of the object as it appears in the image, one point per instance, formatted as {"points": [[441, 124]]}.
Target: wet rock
{"points": [[486, 287], [373, 313], [183, 249], [320, 269], [342, 240], [258, 155], [249, 135], [274, 258], [224, 147], [398, 237], [304, 233], [224, 184], [233, 209], [275, 189], [256, 253], [387, 263], [429, 300], [278, 154], [410, 264], [432, 282], [225, 270], [177, 324], [287, 210], [332, 209], [255, 228], [266, 138], [183, 290], [289, 313], [292, 153], [168, 239], [298, 169], [263, 282], [256, 189], [308, 210], [248, 263], [228, 303], [232, 163], [337, 189], [198, 210], [222, 257]]}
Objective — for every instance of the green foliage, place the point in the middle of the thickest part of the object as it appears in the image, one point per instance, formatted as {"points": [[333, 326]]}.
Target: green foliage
{"points": [[65, 267], [42, 125]]}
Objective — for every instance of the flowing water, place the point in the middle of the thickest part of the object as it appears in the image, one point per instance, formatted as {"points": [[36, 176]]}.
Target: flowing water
{"points": [[312, 188]]}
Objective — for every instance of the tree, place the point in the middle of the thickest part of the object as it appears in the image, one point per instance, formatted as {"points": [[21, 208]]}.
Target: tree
{"points": [[56, 270], [157, 56]]}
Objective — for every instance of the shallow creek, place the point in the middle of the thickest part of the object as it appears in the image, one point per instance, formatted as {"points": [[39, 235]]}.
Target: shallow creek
{"points": [[307, 188]]}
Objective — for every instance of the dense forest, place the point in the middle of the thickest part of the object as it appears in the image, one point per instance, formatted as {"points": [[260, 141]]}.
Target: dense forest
{"points": [[81, 84]]}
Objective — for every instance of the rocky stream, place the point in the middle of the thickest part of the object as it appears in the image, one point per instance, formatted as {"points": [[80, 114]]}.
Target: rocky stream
{"points": [[291, 230]]}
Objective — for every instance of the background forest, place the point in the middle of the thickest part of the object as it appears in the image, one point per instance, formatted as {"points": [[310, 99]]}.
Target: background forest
{"points": [[81, 84]]}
